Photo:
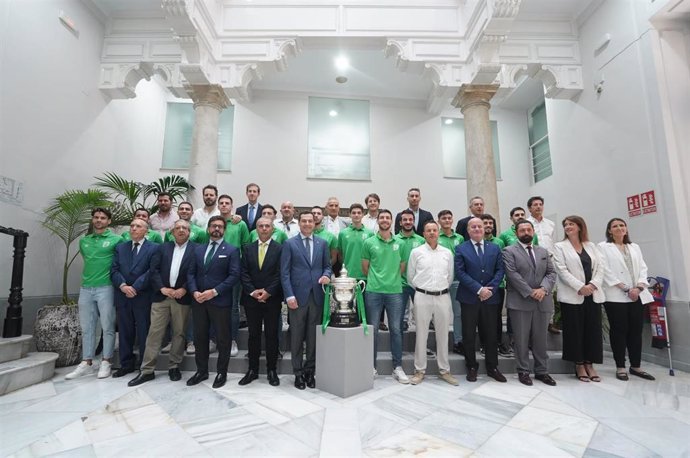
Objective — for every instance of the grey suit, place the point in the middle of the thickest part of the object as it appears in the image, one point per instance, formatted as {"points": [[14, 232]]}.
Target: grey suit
{"points": [[527, 315]]}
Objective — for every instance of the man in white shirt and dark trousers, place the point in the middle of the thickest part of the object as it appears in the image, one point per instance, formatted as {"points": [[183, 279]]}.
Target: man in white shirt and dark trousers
{"points": [[430, 273]]}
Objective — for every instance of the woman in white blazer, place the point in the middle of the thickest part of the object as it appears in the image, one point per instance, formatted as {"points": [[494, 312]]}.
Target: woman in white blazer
{"points": [[625, 286], [579, 283]]}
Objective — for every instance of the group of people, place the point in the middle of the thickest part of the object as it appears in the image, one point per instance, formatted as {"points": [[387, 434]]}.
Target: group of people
{"points": [[204, 263]]}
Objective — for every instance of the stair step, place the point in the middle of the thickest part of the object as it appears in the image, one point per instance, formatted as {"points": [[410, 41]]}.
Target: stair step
{"points": [[12, 348], [29, 370]]}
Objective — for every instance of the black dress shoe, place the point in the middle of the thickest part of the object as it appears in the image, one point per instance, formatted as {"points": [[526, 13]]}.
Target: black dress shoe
{"points": [[525, 378], [299, 382], [197, 378], [122, 371], [243, 324], [174, 374], [220, 380], [546, 378], [273, 379], [310, 380], [459, 348], [554, 329], [471, 375], [249, 377], [382, 326], [496, 375], [141, 378]]}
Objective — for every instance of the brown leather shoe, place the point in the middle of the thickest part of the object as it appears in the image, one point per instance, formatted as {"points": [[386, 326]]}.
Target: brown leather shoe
{"points": [[471, 375], [496, 375], [524, 378], [546, 378]]}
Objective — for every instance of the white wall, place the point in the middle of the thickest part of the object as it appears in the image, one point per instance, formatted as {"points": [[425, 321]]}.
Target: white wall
{"points": [[59, 132]]}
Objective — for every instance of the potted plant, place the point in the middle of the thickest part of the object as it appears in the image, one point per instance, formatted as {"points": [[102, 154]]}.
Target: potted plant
{"points": [[56, 328]]}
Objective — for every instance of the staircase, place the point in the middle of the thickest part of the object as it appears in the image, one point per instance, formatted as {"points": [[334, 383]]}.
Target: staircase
{"points": [[19, 368]]}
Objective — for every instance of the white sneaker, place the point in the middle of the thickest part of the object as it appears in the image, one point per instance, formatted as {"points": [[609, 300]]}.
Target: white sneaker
{"points": [[104, 369], [212, 348], [82, 369], [167, 348], [190, 348], [399, 375], [233, 349], [375, 372]]}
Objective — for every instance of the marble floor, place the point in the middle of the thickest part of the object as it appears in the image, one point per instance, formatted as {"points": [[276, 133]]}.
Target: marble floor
{"points": [[90, 417]]}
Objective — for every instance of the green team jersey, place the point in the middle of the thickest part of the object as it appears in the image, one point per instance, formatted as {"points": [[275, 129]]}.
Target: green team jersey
{"points": [[98, 251], [407, 244], [151, 235], [510, 238], [350, 241], [450, 241], [236, 234], [328, 237], [196, 235], [278, 236], [497, 241], [384, 258]]}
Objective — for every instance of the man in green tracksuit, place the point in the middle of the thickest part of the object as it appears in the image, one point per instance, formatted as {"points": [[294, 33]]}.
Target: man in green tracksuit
{"points": [[196, 234], [278, 235], [449, 239], [509, 236], [350, 241], [321, 232], [409, 240], [151, 235]]}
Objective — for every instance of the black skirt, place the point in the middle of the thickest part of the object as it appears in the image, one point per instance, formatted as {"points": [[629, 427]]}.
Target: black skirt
{"points": [[582, 334]]}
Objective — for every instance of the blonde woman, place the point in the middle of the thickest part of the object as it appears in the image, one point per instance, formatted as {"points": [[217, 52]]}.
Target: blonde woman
{"points": [[625, 286], [580, 280]]}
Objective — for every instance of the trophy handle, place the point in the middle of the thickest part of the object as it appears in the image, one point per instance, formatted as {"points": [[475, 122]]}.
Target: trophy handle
{"points": [[323, 288], [362, 284]]}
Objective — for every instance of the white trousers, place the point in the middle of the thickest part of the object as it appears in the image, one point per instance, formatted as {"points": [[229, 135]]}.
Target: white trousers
{"points": [[440, 309]]}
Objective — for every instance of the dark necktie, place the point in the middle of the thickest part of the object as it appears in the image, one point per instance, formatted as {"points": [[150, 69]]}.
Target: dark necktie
{"points": [[135, 249], [531, 256], [209, 256], [307, 245], [480, 252]]}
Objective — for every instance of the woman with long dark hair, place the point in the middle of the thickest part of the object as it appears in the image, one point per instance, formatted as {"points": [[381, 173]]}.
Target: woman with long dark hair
{"points": [[580, 280], [625, 287]]}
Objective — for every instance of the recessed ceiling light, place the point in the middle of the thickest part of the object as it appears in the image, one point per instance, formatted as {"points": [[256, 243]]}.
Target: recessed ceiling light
{"points": [[342, 63], [448, 121], [332, 113], [341, 79]]}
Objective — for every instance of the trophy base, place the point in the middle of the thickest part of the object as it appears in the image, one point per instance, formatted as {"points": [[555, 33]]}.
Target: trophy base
{"points": [[344, 320]]}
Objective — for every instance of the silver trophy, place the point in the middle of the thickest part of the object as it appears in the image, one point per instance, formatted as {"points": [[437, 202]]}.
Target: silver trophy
{"points": [[343, 291]]}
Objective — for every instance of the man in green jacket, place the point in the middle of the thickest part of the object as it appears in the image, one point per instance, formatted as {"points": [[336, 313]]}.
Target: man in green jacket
{"points": [[509, 236]]}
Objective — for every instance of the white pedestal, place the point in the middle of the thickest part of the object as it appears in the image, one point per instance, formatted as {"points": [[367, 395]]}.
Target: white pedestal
{"points": [[344, 360]]}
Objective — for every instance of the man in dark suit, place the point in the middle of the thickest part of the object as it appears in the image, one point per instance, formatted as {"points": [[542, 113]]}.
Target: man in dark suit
{"points": [[476, 211], [305, 265], [251, 211], [213, 273], [530, 276], [130, 276], [263, 297], [171, 303], [421, 216], [479, 269]]}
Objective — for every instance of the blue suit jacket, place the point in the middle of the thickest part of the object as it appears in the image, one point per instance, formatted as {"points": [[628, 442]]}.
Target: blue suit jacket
{"points": [[243, 211], [160, 271], [134, 271], [473, 273], [298, 276], [221, 274]]}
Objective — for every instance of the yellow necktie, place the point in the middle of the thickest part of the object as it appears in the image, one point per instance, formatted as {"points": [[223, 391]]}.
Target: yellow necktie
{"points": [[262, 253]]}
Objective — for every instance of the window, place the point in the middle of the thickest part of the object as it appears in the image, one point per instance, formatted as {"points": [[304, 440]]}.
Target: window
{"points": [[453, 147], [338, 139], [539, 143], [179, 127]]}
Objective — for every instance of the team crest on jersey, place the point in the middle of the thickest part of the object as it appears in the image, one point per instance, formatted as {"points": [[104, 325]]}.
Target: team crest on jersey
{"points": [[364, 236], [395, 247], [106, 244], [416, 244]]}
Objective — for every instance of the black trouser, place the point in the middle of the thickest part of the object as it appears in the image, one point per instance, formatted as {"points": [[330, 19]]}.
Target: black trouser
{"points": [[303, 322], [582, 336], [485, 316], [204, 315], [499, 322], [268, 314], [625, 331]]}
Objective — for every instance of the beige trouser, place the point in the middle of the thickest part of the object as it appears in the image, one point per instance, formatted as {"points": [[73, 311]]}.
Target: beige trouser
{"points": [[163, 313], [440, 309]]}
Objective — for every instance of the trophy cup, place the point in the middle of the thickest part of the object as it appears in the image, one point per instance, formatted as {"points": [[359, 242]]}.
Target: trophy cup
{"points": [[343, 291]]}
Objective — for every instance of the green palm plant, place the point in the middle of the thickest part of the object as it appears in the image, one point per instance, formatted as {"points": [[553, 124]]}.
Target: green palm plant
{"points": [[128, 195], [69, 217]]}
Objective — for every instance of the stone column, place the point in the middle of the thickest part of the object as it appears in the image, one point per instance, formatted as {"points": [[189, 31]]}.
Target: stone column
{"points": [[473, 101], [209, 101]]}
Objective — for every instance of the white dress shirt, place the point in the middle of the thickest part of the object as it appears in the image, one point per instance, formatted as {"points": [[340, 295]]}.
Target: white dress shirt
{"points": [[430, 269], [178, 254], [545, 230], [371, 222], [200, 217], [291, 228]]}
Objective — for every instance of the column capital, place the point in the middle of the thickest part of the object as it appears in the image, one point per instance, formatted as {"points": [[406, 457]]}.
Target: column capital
{"points": [[474, 94], [210, 95]]}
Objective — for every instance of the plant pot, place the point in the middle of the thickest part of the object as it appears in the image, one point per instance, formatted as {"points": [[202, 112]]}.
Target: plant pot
{"points": [[57, 329]]}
